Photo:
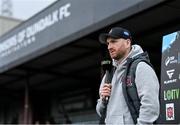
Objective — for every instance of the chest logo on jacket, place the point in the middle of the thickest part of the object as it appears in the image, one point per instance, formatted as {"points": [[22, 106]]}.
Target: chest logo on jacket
{"points": [[128, 81]]}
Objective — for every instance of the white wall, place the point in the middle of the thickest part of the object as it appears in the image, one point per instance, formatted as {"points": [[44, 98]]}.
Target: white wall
{"points": [[7, 23]]}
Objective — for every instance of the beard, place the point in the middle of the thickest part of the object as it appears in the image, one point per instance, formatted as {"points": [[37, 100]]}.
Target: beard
{"points": [[118, 56]]}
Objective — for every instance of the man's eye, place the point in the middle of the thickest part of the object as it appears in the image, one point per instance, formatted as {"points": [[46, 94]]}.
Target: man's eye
{"points": [[113, 41]]}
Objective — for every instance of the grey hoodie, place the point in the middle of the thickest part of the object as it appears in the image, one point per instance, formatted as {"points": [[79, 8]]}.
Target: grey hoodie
{"points": [[148, 91]]}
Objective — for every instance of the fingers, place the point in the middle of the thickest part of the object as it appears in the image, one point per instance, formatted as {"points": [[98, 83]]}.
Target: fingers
{"points": [[107, 85], [105, 90]]}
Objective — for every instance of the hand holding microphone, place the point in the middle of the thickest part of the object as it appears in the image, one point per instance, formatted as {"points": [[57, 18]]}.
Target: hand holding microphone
{"points": [[105, 91], [106, 64]]}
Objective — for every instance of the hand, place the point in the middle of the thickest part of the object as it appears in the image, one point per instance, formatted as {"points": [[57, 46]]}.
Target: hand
{"points": [[105, 91]]}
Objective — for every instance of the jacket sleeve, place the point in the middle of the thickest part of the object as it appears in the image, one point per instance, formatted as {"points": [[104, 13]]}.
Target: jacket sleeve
{"points": [[148, 91], [100, 103]]}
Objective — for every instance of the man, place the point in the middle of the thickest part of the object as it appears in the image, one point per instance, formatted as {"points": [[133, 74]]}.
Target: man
{"points": [[120, 48]]}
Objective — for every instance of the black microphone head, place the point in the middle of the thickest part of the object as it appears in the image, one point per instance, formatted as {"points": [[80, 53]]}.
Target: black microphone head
{"points": [[106, 62]]}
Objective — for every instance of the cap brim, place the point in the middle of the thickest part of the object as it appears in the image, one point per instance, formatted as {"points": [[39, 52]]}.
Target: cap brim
{"points": [[103, 37]]}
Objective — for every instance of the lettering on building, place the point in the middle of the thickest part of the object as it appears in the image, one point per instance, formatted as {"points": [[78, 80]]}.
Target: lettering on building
{"points": [[27, 36]]}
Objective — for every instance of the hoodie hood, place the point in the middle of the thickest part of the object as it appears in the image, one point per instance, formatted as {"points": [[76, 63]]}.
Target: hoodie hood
{"points": [[135, 50]]}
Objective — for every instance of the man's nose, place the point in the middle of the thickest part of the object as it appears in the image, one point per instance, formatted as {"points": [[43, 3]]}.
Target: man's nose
{"points": [[109, 46]]}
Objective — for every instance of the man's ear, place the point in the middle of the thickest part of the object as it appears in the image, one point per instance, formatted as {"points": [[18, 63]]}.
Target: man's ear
{"points": [[128, 42]]}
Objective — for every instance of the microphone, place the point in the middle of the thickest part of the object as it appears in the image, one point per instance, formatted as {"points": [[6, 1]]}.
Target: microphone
{"points": [[106, 64]]}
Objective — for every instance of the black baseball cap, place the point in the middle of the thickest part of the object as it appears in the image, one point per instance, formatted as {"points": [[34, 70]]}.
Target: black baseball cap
{"points": [[116, 33]]}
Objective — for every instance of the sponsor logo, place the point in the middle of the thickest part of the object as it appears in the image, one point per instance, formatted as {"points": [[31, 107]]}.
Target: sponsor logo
{"points": [[171, 94], [170, 81], [170, 111], [170, 73], [170, 60], [128, 81]]}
